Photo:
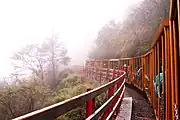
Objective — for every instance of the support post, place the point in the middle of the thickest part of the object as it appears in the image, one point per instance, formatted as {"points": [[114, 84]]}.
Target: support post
{"points": [[90, 106]]}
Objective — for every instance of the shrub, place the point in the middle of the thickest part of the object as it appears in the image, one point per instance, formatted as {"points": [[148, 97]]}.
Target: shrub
{"points": [[32, 94]]}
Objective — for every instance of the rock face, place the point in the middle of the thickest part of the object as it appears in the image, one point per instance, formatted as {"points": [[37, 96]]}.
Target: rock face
{"points": [[141, 108]]}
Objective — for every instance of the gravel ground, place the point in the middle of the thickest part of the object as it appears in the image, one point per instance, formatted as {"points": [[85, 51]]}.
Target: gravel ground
{"points": [[141, 108]]}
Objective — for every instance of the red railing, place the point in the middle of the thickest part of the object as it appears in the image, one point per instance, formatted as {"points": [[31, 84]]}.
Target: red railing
{"points": [[108, 110], [159, 76]]}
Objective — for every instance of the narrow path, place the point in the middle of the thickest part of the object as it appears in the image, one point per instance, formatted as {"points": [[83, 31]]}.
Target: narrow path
{"points": [[141, 108], [125, 109]]}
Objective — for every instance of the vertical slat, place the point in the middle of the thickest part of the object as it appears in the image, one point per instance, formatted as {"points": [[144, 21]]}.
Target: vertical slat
{"points": [[139, 79], [145, 71], [167, 75], [147, 63], [178, 24], [136, 71], [153, 74], [100, 72], [131, 70], [163, 82], [155, 66], [129, 65], [176, 48], [107, 79], [158, 71], [111, 92], [118, 85], [149, 77], [178, 15], [148, 74], [172, 68], [144, 84], [143, 75], [118, 64]]}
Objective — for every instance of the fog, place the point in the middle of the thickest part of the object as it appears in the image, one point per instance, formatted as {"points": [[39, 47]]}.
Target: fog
{"points": [[75, 22]]}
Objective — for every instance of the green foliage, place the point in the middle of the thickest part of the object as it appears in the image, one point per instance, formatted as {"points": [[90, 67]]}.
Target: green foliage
{"points": [[71, 86], [23, 98], [32, 94], [75, 114]]}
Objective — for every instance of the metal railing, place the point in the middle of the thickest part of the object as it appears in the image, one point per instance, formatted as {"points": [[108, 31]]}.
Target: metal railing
{"points": [[163, 54], [107, 111], [163, 58]]}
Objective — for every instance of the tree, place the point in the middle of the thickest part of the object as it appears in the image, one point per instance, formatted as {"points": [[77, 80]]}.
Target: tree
{"points": [[134, 36], [55, 54], [23, 98], [29, 60], [34, 65], [41, 60], [104, 45]]}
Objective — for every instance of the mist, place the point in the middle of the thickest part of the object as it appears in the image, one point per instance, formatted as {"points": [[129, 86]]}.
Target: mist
{"points": [[75, 22]]}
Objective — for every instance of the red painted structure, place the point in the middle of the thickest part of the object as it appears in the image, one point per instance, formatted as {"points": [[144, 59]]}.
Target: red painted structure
{"points": [[108, 110]]}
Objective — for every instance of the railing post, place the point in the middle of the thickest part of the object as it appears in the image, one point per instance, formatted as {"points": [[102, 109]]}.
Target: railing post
{"points": [[85, 69], [143, 74], [107, 75], [89, 72], [96, 75], [92, 72], [130, 76], [107, 79], [90, 106], [110, 93], [100, 75], [118, 85]]}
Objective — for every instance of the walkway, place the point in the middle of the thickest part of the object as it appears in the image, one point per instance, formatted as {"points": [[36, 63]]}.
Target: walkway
{"points": [[141, 109], [125, 109]]}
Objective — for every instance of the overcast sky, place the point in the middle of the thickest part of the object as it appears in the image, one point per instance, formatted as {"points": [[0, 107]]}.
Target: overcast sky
{"points": [[77, 23]]}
